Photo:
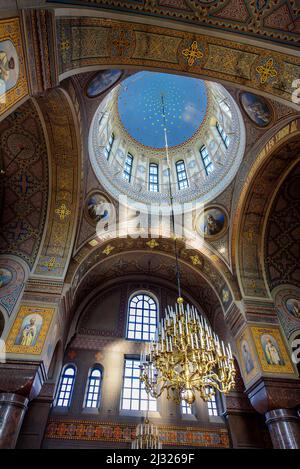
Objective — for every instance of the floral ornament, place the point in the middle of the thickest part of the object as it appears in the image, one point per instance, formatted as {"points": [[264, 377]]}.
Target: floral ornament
{"points": [[152, 244], [192, 53], [108, 250], [266, 71]]}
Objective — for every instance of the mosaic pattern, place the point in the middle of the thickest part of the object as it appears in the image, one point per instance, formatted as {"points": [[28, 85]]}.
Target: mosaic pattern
{"points": [[25, 161], [10, 291], [134, 44], [282, 244], [253, 283], [57, 245], [125, 433], [264, 19]]}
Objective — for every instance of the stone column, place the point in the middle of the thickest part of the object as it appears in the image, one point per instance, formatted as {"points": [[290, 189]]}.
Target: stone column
{"points": [[12, 412], [20, 382], [284, 428], [277, 400]]}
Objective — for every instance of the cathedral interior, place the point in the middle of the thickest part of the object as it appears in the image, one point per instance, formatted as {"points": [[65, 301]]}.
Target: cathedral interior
{"points": [[149, 157]]}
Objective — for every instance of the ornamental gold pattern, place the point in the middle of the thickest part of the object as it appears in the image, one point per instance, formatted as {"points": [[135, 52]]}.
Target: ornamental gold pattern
{"points": [[186, 357]]}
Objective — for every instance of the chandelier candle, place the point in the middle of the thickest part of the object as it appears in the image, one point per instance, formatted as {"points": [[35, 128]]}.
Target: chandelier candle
{"points": [[146, 437], [186, 357]]}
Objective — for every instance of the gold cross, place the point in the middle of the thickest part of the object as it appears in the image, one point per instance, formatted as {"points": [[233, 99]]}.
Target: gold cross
{"points": [[108, 250], [65, 45], [121, 43], [195, 260], [152, 244], [63, 211], [51, 264], [192, 53], [266, 71]]}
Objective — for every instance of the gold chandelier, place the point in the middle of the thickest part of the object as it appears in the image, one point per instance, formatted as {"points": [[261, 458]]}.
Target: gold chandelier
{"points": [[186, 356], [146, 437]]}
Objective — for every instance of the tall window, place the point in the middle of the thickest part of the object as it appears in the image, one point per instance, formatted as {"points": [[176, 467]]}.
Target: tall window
{"points": [[181, 175], [92, 399], [223, 134], [128, 167], [66, 387], [186, 409], [207, 163], [108, 147], [153, 177], [212, 407], [134, 396], [142, 318]]}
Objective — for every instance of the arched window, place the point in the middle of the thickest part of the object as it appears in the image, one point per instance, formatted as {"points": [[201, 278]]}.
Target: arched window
{"points": [[66, 386], [92, 399], [181, 175], [207, 163], [186, 409], [153, 177], [128, 167], [223, 134], [142, 318], [108, 147]]}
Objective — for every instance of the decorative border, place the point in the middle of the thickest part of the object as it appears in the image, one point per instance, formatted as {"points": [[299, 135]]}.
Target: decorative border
{"points": [[46, 313], [10, 30], [125, 433]]}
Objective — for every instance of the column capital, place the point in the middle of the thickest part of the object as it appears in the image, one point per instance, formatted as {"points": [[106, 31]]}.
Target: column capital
{"points": [[268, 394], [22, 378]]}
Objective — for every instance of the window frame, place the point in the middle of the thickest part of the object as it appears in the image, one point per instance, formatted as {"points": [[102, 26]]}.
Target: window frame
{"points": [[88, 384], [59, 389], [109, 146], [206, 160], [184, 182], [224, 137], [153, 183], [131, 297], [140, 388], [128, 174]]}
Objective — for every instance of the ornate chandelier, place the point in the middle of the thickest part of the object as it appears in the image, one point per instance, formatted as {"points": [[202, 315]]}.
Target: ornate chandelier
{"points": [[186, 356], [146, 437]]}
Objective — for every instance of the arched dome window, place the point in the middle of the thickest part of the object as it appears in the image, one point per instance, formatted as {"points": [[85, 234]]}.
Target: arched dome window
{"points": [[206, 160], [92, 399], [109, 146], [128, 167], [153, 177], [66, 387], [223, 134], [142, 317], [181, 175]]}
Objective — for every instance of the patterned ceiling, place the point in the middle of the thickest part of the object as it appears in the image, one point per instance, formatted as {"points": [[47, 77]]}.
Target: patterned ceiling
{"points": [[276, 21]]}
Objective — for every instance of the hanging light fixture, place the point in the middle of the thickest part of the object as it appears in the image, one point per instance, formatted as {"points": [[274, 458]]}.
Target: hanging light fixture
{"points": [[186, 357], [146, 436]]}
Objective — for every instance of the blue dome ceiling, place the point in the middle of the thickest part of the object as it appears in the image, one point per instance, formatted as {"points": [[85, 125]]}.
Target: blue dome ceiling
{"points": [[140, 107]]}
